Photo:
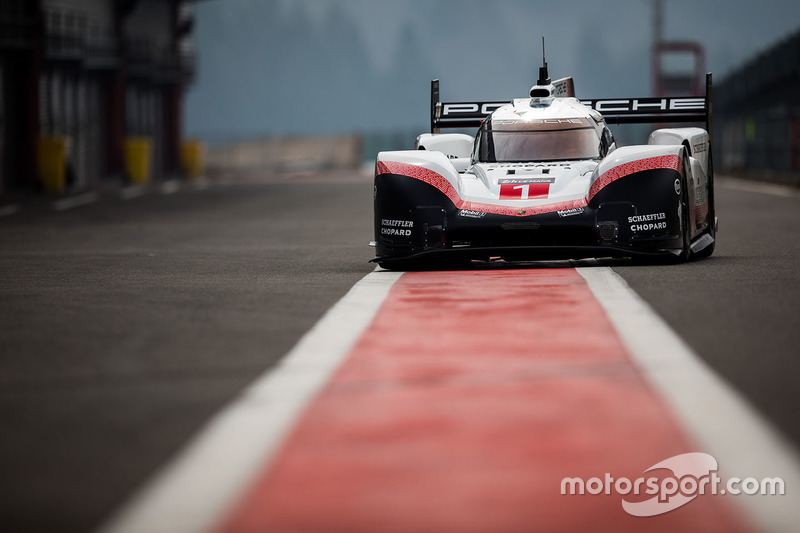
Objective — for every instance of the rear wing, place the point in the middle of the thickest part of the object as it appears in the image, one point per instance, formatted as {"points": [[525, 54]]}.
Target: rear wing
{"points": [[615, 111], [472, 114]]}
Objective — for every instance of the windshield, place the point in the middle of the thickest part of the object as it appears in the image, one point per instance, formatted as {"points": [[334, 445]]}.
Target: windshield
{"points": [[502, 141]]}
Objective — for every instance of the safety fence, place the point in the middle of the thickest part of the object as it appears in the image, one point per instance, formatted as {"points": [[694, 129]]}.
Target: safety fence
{"points": [[757, 112]]}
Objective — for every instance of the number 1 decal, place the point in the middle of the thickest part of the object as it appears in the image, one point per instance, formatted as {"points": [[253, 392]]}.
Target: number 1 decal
{"points": [[525, 191]]}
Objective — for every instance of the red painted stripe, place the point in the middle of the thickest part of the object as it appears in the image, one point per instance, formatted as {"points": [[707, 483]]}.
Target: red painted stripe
{"points": [[463, 406], [672, 162]]}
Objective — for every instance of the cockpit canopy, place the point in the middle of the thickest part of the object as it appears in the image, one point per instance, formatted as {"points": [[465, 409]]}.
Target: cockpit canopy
{"points": [[552, 139]]}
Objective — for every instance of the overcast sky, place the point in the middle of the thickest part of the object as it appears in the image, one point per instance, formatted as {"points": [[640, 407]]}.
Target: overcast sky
{"points": [[729, 29], [366, 65]]}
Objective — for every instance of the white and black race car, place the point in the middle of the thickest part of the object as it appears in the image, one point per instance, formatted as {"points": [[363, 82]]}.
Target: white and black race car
{"points": [[543, 179]]}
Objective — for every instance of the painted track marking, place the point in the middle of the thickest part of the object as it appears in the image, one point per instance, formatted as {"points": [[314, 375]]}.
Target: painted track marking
{"points": [[170, 187], [132, 191], [197, 488], [711, 411], [8, 210], [75, 201], [210, 477], [462, 408]]}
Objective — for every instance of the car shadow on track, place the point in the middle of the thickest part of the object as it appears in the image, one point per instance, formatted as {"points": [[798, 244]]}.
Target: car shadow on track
{"points": [[500, 264]]}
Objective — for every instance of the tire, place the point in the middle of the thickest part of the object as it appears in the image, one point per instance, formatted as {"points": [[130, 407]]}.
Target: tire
{"points": [[686, 232], [712, 212], [712, 227]]}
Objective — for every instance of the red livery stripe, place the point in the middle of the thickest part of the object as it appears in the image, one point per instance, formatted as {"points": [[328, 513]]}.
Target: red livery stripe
{"points": [[671, 162], [441, 183]]}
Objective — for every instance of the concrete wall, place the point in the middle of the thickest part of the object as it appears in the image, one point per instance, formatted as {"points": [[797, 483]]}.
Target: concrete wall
{"points": [[286, 154]]}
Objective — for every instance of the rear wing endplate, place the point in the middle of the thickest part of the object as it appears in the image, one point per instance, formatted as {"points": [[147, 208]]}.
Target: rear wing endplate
{"points": [[615, 111]]}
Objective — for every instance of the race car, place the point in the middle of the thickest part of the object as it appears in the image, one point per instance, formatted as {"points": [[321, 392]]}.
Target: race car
{"points": [[543, 178]]}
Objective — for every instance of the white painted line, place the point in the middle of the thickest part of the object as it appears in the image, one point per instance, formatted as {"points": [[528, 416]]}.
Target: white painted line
{"points": [[709, 409], [759, 187], [170, 187], [132, 191], [75, 201], [9, 209], [193, 493]]}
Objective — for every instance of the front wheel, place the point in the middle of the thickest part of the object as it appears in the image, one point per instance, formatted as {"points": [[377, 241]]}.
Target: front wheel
{"points": [[711, 229], [686, 230]]}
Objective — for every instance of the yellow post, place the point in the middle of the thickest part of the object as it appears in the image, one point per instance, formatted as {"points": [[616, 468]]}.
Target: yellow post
{"points": [[51, 163], [138, 154], [192, 152]]}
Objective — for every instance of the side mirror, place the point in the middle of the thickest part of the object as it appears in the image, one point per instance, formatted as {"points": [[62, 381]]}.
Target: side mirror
{"points": [[461, 163]]}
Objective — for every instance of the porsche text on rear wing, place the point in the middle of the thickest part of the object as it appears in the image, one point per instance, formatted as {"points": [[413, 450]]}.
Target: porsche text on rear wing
{"points": [[667, 110]]}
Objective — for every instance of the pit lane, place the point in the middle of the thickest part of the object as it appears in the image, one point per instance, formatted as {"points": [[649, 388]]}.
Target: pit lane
{"points": [[126, 324]]}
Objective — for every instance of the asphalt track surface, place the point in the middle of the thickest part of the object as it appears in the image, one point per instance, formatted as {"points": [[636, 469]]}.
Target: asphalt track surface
{"points": [[125, 324]]}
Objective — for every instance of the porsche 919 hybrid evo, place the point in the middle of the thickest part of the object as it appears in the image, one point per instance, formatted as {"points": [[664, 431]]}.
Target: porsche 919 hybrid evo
{"points": [[543, 178]]}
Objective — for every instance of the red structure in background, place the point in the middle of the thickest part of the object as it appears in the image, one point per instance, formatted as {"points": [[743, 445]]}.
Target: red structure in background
{"points": [[666, 82], [664, 78]]}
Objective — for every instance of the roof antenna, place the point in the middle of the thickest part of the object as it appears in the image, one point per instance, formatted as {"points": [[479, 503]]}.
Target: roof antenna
{"points": [[544, 78]]}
